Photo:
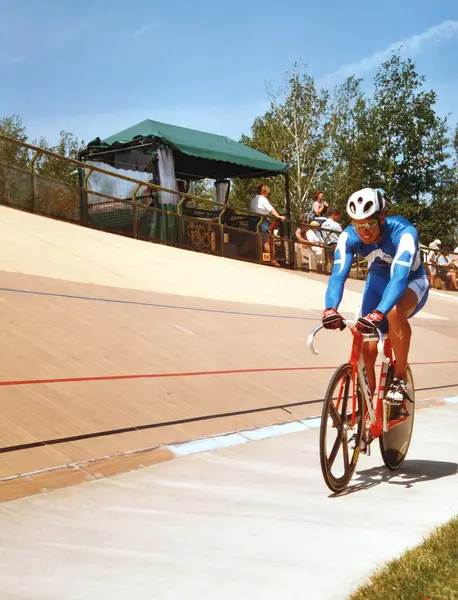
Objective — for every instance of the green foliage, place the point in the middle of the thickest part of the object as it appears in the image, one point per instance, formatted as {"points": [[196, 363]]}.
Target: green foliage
{"points": [[409, 139], [49, 166], [13, 154], [344, 140], [347, 148], [204, 189], [56, 168], [293, 130]]}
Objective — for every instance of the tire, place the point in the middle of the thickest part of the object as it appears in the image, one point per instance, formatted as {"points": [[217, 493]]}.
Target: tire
{"points": [[342, 376], [394, 443]]}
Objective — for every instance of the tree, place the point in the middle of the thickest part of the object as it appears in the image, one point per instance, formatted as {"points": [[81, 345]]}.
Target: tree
{"points": [[293, 131], [409, 140], [439, 216], [13, 154], [347, 146], [455, 143], [56, 168]]}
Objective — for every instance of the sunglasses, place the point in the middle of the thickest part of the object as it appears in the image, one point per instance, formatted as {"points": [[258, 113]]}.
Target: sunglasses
{"points": [[362, 226]]}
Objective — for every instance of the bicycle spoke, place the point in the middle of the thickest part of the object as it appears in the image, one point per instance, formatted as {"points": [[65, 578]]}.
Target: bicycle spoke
{"points": [[339, 397], [335, 449], [345, 399], [335, 417], [334, 428]]}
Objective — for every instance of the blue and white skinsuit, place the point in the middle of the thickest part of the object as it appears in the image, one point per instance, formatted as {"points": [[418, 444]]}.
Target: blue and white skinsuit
{"points": [[394, 264]]}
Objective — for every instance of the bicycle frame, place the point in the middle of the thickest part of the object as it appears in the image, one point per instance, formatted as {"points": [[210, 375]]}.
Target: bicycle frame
{"points": [[377, 413]]}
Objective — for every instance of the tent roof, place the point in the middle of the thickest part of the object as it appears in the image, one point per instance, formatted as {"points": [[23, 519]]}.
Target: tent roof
{"points": [[197, 153]]}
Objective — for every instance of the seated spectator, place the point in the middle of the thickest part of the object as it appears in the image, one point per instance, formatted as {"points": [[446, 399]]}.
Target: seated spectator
{"points": [[308, 238], [447, 268], [319, 208], [307, 251], [260, 204]]}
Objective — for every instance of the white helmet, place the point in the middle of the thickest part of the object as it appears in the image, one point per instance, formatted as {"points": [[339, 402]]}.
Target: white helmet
{"points": [[366, 202]]}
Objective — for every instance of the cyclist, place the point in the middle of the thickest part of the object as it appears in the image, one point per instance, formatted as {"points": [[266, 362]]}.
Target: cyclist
{"points": [[397, 286]]}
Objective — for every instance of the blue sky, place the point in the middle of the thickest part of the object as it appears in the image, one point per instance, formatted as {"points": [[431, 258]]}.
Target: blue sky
{"points": [[95, 67]]}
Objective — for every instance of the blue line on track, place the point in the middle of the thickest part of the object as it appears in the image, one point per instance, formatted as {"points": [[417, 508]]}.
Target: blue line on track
{"points": [[172, 306]]}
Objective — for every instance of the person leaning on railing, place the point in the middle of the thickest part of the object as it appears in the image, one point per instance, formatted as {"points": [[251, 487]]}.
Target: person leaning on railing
{"points": [[260, 204]]}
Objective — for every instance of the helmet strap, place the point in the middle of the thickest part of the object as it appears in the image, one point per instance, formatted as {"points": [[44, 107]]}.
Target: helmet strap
{"points": [[380, 224]]}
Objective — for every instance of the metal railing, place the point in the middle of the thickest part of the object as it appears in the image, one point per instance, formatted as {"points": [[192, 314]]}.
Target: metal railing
{"points": [[223, 230]]}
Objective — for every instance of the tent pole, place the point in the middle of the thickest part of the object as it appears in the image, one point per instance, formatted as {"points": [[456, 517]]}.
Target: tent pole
{"points": [[288, 202]]}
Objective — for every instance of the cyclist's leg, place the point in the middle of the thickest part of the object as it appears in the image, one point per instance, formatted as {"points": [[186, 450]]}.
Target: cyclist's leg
{"points": [[400, 332], [371, 297]]}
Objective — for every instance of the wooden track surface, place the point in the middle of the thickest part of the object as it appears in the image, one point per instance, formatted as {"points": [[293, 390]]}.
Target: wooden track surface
{"points": [[111, 346]]}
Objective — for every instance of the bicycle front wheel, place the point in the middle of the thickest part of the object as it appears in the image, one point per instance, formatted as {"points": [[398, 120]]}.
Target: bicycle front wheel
{"points": [[395, 442], [339, 440]]}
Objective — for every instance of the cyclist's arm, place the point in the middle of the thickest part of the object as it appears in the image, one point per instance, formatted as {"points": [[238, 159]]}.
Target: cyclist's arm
{"points": [[343, 258], [400, 269]]}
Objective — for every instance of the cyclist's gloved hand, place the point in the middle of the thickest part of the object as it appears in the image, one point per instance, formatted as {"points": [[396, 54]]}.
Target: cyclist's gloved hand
{"points": [[331, 319], [370, 322]]}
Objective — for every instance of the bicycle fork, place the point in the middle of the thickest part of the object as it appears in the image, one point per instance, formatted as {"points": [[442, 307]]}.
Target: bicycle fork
{"points": [[372, 426], [386, 405]]}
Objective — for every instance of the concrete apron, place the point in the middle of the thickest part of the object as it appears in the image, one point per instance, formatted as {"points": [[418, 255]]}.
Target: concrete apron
{"points": [[254, 520], [45, 480]]}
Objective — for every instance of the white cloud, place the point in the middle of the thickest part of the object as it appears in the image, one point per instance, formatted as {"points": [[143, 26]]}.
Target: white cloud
{"points": [[409, 47], [16, 60], [138, 32]]}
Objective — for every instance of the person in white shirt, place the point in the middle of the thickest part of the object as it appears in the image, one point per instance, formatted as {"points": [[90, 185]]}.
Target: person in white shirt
{"points": [[260, 204], [431, 260], [306, 242], [332, 222], [448, 267], [330, 238]]}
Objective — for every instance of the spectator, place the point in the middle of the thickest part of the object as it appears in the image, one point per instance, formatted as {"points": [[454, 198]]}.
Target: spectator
{"points": [[332, 223], [260, 204], [319, 208], [447, 268], [306, 242], [432, 259], [331, 239]]}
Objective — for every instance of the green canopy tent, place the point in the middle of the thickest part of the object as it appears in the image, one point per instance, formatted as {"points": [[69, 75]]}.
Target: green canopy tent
{"points": [[196, 154]]}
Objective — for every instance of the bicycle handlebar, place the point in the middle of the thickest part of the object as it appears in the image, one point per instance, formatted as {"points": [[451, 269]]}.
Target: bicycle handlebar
{"points": [[349, 323]]}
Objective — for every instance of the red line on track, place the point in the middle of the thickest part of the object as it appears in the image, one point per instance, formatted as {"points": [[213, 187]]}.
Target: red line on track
{"points": [[185, 374]]}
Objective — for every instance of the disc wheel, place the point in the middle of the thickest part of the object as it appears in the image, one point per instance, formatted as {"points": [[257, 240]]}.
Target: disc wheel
{"points": [[339, 440], [394, 443]]}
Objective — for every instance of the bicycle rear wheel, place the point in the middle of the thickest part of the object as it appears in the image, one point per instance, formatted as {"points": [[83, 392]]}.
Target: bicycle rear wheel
{"points": [[394, 443], [335, 424]]}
